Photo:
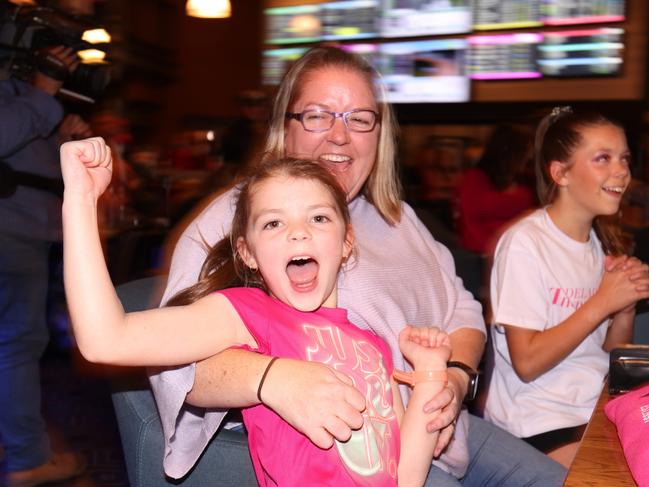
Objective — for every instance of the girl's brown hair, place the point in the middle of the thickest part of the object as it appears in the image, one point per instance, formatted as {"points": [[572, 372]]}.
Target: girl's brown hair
{"points": [[382, 187], [223, 267], [557, 137]]}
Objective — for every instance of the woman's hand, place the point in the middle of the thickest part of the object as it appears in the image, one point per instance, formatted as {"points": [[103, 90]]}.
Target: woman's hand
{"points": [[449, 402], [86, 166], [315, 399]]}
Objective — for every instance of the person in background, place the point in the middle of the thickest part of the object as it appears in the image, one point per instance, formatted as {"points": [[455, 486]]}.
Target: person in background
{"points": [[327, 109], [439, 174], [32, 126], [563, 292], [243, 140], [493, 192]]}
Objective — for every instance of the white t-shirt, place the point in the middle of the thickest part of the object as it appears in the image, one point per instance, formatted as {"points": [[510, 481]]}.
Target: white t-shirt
{"points": [[540, 277]]}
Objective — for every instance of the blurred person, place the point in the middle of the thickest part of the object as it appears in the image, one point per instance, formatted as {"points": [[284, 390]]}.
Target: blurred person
{"points": [[327, 109], [563, 290], [32, 126], [494, 192], [439, 171], [124, 189], [243, 139]]}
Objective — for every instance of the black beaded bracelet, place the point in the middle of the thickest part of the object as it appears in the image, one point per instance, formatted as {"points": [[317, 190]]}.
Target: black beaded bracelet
{"points": [[263, 378]]}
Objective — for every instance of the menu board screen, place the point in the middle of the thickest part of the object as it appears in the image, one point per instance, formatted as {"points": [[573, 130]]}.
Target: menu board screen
{"points": [[565, 12], [407, 18], [424, 71], [586, 52], [508, 56], [505, 14]]}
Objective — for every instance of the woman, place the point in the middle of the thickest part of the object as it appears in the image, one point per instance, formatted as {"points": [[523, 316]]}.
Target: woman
{"points": [[402, 277]]}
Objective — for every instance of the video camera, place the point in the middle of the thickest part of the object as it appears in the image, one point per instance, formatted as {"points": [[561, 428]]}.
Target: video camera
{"points": [[26, 30]]}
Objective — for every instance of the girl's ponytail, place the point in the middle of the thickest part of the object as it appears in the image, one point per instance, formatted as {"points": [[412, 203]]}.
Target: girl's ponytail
{"points": [[609, 231], [544, 154], [218, 272]]}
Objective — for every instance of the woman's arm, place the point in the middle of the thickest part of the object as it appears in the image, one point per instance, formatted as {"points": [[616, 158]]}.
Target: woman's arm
{"points": [[313, 398], [104, 332]]}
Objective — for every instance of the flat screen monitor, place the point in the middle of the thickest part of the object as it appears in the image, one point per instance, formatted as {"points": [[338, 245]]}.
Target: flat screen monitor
{"points": [[585, 52], [292, 25], [567, 12], [347, 20], [508, 56], [505, 14], [407, 18], [424, 71], [276, 62]]}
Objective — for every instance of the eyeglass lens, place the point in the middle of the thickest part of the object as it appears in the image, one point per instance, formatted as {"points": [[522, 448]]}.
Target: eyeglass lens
{"points": [[357, 121]]}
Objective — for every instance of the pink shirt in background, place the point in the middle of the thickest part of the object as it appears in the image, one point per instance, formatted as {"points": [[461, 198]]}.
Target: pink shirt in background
{"points": [[484, 210], [283, 456]]}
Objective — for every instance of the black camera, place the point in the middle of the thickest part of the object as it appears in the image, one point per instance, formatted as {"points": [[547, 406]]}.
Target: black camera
{"points": [[25, 31]]}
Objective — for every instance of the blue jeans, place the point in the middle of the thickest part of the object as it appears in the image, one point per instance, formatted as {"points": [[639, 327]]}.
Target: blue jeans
{"points": [[497, 458], [23, 337]]}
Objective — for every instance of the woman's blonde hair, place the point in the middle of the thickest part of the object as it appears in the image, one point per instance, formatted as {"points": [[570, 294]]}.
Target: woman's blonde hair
{"points": [[557, 137], [382, 187]]}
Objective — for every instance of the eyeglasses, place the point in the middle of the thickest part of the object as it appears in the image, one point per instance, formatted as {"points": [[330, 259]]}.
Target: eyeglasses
{"points": [[323, 120]]}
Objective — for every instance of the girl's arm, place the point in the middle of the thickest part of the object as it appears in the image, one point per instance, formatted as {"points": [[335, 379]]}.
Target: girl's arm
{"points": [[428, 349], [535, 352], [104, 333]]}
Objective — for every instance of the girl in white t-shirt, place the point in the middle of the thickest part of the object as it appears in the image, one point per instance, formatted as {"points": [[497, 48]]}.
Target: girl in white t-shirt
{"points": [[563, 292]]}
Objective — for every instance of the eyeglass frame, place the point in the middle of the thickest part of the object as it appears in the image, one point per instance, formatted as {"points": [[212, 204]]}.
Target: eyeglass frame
{"points": [[299, 116]]}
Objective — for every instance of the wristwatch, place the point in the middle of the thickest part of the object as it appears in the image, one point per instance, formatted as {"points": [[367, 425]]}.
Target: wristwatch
{"points": [[472, 388]]}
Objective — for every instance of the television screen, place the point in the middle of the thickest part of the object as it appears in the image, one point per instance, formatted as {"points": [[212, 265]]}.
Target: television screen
{"points": [[346, 20], [586, 52], [407, 18], [276, 62], [565, 12], [505, 14], [424, 71], [290, 25], [508, 56]]}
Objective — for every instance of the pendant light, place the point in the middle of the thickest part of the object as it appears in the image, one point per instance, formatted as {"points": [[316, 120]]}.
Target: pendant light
{"points": [[209, 9]]}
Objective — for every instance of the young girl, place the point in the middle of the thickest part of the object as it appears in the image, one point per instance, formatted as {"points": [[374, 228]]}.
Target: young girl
{"points": [[563, 293], [290, 235]]}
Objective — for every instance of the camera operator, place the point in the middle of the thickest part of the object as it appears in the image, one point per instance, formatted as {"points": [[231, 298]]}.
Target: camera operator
{"points": [[32, 126]]}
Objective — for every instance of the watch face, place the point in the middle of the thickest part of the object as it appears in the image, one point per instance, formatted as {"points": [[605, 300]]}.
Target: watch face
{"points": [[472, 388]]}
